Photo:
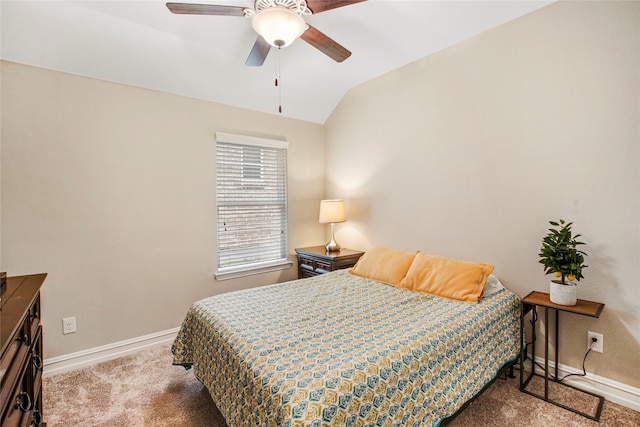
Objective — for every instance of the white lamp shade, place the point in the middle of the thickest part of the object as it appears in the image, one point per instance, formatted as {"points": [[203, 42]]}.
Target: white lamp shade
{"points": [[332, 211], [278, 26]]}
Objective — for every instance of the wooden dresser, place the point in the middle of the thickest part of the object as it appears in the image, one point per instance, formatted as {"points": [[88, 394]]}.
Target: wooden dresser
{"points": [[21, 357], [315, 260]]}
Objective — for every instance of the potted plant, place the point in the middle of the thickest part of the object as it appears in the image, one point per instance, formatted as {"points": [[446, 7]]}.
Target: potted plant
{"points": [[560, 255]]}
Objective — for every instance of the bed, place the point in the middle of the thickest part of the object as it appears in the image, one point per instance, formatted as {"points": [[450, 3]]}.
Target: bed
{"points": [[340, 349]]}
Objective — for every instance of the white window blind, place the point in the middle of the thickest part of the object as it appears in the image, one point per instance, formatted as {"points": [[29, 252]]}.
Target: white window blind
{"points": [[251, 202]]}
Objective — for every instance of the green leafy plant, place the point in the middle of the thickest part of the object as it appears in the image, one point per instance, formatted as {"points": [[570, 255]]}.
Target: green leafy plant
{"points": [[560, 254]]}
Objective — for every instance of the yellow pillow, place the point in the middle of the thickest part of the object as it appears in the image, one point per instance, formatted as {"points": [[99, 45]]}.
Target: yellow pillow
{"points": [[447, 277], [383, 264]]}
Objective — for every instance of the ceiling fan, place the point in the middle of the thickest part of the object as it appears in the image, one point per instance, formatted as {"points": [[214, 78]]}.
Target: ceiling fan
{"points": [[278, 23]]}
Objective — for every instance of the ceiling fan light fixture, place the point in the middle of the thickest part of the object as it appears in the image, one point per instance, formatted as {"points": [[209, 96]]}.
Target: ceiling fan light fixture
{"points": [[279, 26]]}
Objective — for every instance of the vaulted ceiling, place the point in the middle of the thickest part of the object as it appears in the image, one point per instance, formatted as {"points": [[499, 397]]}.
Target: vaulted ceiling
{"points": [[141, 43]]}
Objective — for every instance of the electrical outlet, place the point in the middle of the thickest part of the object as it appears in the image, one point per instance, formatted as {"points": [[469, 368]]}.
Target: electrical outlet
{"points": [[68, 325], [598, 345]]}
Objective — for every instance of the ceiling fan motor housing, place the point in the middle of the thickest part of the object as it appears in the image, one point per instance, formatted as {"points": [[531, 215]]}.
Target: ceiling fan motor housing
{"points": [[278, 26], [280, 22]]}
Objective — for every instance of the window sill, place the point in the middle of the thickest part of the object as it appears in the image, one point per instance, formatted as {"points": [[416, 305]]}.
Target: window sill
{"points": [[235, 272]]}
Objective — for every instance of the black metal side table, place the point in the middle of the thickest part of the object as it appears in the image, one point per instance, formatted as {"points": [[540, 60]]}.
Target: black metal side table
{"points": [[541, 299]]}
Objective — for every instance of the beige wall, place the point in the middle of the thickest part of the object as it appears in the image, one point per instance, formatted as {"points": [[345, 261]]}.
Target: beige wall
{"points": [[469, 152], [110, 189]]}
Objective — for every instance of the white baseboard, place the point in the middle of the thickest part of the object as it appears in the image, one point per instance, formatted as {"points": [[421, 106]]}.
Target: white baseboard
{"points": [[92, 356], [612, 391]]}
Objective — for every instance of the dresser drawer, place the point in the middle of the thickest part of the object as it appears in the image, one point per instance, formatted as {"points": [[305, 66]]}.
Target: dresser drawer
{"points": [[13, 361], [36, 364], [306, 262], [307, 273], [318, 266], [19, 404], [34, 315]]}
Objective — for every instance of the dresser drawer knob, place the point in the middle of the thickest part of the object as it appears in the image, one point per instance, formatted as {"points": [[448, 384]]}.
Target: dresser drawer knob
{"points": [[36, 419], [37, 361], [20, 402], [24, 338]]}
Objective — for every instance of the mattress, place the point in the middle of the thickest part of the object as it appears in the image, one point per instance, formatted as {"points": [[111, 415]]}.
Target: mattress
{"points": [[342, 350]]}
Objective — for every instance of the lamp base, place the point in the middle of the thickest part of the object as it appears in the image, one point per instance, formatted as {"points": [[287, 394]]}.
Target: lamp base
{"points": [[332, 246]]}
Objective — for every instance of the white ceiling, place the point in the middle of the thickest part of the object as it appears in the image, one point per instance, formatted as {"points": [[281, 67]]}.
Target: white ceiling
{"points": [[141, 43]]}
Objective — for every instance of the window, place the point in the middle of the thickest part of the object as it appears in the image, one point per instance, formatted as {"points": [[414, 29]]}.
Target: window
{"points": [[251, 205]]}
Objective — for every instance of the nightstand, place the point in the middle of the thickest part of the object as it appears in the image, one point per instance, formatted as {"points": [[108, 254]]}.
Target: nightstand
{"points": [[315, 260], [541, 299]]}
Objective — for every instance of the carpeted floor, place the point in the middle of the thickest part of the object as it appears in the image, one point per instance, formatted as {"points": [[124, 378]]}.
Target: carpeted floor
{"points": [[144, 389]]}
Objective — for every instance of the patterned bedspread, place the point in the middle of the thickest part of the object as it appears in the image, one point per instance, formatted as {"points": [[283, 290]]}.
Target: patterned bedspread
{"points": [[340, 350]]}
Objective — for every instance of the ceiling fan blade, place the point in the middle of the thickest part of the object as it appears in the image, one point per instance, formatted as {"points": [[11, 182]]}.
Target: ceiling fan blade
{"points": [[318, 6], [325, 44], [258, 53], [205, 9]]}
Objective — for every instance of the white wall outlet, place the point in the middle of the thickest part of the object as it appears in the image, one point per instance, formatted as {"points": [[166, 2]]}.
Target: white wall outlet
{"points": [[68, 325], [598, 345]]}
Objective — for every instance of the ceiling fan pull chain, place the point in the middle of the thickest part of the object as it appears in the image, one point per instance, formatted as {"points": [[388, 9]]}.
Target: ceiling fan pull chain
{"points": [[278, 83]]}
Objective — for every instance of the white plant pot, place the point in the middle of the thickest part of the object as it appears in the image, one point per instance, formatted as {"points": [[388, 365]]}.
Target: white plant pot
{"points": [[563, 293]]}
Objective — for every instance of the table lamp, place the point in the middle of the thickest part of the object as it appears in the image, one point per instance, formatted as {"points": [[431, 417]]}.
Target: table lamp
{"points": [[332, 211]]}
